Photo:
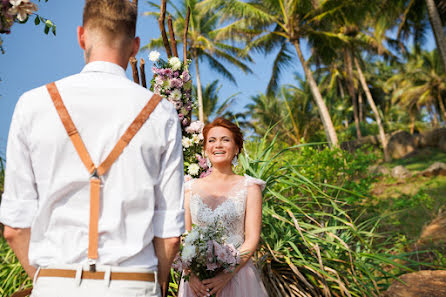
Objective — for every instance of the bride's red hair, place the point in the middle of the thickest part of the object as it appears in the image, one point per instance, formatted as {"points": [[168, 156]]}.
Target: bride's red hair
{"points": [[222, 122]]}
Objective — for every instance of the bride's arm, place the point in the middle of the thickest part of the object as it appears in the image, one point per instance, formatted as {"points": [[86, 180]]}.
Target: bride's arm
{"points": [[253, 224], [194, 283]]}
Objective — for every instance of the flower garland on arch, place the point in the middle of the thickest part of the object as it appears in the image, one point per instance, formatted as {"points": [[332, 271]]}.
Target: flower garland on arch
{"points": [[172, 81]]}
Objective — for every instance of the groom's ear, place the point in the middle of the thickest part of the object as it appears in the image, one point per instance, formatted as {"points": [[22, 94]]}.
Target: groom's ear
{"points": [[81, 37]]}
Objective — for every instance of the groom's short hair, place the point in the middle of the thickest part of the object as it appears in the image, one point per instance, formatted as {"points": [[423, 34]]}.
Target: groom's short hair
{"points": [[112, 17]]}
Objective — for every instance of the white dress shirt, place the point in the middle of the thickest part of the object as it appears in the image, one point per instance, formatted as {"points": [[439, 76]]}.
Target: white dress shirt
{"points": [[47, 186]]}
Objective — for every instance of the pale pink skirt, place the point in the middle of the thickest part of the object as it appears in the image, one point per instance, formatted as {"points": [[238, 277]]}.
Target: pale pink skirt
{"points": [[246, 283]]}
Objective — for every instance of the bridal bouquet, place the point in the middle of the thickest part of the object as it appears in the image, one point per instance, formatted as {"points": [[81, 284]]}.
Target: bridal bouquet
{"points": [[205, 253], [172, 81]]}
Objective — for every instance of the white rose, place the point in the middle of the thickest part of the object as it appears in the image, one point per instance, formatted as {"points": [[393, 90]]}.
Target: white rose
{"points": [[175, 63], [188, 253], [195, 127], [175, 95], [193, 169], [154, 56], [187, 142]]}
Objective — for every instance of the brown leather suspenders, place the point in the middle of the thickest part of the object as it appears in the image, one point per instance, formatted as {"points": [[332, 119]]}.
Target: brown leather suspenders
{"points": [[96, 172]]}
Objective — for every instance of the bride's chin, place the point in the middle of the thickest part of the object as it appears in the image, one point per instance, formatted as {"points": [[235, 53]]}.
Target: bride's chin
{"points": [[221, 163]]}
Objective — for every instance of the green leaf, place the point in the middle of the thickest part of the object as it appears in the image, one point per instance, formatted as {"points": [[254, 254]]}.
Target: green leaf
{"points": [[47, 30], [37, 20], [53, 29]]}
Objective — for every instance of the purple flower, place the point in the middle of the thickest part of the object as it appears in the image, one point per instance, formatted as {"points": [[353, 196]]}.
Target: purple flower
{"points": [[186, 76], [176, 83], [185, 122], [176, 74]]}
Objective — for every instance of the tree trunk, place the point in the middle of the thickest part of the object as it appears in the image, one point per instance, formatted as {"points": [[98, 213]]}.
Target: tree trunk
{"points": [[365, 87], [437, 28], [351, 89], [412, 121], [199, 92], [443, 109], [322, 107], [361, 107]]}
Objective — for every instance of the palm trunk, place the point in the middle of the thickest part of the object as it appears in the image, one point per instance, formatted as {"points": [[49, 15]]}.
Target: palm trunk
{"points": [[382, 134], [361, 107], [443, 109], [322, 107], [412, 121], [199, 92], [437, 28], [351, 89]]}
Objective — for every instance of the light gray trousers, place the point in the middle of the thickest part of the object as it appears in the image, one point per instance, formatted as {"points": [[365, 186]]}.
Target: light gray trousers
{"points": [[77, 287]]}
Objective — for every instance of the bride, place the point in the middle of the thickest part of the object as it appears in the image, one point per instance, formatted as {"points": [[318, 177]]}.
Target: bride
{"points": [[234, 200]]}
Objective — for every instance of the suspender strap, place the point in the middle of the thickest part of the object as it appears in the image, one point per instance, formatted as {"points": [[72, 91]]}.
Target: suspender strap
{"points": [[95, 182], [70, 128]]}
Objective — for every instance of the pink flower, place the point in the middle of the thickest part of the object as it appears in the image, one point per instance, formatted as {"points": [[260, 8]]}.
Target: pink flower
{"points": [[176, 83], [202, 161], [206, 173], [185, 122], [186, 76], [181, 116]]}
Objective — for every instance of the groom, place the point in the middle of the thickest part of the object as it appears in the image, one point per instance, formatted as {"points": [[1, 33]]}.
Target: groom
{"points": [[81, 220]]}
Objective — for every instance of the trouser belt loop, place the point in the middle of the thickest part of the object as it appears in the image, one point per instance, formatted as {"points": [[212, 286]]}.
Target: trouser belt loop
{"points": [[78, 277], [107, 275], [156, 282], [36, 275]]}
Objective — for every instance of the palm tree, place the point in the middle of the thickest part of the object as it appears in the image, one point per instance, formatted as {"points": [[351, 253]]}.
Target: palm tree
{"points": [[421, 84], [280, 24], [437, 28], [205, 43], [290, 113]]}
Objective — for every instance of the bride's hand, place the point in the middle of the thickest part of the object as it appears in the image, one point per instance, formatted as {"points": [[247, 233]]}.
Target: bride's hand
{"points": [[197, 286], [217, 283]]}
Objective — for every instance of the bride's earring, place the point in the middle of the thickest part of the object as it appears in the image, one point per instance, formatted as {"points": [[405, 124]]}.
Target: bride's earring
{"points": [[235, 161]]}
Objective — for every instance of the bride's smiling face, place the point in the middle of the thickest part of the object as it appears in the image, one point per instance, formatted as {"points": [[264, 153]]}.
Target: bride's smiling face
{"points": [[220, 146]]}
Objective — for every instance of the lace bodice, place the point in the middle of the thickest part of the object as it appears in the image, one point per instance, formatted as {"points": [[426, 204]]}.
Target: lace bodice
{"points": [[228, 208]]}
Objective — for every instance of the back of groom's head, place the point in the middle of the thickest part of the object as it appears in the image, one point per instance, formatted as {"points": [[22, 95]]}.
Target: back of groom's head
{"points": [[113, 19]]}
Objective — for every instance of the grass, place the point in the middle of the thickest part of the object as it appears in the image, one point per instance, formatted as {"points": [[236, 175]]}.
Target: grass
{"points": [[414, 202]]}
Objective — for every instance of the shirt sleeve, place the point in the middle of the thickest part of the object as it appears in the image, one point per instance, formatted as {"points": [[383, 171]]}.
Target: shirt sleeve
{"points": [[169, 196], [19, 201]]}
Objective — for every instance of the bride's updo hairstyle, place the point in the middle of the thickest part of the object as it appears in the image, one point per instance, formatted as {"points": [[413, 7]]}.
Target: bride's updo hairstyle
{"points": [[222, 122]]}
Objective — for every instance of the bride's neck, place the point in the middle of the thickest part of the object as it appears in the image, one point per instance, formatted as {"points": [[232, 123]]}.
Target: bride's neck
{"points": [[221, 172]]}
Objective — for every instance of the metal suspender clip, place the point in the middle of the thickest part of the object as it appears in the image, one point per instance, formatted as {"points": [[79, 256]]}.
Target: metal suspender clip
{"points": [[92, 264], [95, 174]]}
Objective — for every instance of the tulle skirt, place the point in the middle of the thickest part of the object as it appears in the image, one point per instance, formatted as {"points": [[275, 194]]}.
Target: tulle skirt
{"points": [[246, 283]]}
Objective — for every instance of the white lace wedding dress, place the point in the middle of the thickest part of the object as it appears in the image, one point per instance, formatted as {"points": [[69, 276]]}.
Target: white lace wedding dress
{"points": [[230, 210]]}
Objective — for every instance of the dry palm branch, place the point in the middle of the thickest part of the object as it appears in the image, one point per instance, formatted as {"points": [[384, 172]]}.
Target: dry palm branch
{"points": [[171, 48]]}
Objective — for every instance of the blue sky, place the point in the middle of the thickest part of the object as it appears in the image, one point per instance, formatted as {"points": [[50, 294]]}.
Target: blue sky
{"points": [[33, 59]]}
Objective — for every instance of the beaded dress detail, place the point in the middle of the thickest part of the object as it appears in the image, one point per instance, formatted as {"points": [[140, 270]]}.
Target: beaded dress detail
{"points": [[228, 208]]}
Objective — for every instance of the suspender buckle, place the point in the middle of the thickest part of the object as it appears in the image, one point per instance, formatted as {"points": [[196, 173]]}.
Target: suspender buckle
{"points": [[92, 264], [95, 174]]}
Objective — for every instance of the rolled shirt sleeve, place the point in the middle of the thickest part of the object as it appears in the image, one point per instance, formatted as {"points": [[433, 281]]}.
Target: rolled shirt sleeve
{"points": [[169, 197], [20, 199]]}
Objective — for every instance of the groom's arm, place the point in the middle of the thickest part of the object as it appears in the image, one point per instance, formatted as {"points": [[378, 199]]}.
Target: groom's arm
{"points": [[168, 220], [165, 250], [18, 240]]}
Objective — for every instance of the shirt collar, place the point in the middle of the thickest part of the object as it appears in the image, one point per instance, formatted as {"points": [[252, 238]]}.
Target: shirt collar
{"points": [[102, 66]]}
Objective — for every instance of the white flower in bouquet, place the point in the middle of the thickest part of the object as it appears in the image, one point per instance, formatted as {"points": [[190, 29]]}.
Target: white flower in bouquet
{"points": [[193, 169], [154, 56], [195, 127], [191, 236], [196, 139], [187, 142], [188, 253], [22, 8], [175, 63], [175, 95]]}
